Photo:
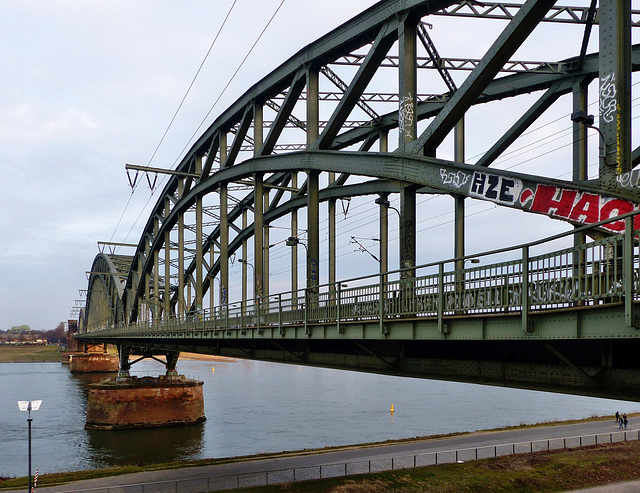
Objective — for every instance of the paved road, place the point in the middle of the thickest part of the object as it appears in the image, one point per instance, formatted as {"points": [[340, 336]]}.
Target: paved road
{"points": [[480, 439]]}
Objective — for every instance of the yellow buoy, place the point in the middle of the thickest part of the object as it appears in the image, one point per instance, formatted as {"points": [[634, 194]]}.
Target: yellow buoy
{"points": [[213, 369], [391, 408]]}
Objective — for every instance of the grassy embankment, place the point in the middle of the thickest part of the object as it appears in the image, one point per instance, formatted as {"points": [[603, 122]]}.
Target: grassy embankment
{"points": [[29, 354]]}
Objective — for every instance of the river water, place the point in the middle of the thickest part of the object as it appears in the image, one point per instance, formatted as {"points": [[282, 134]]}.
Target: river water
{"points": [[254, 407]]}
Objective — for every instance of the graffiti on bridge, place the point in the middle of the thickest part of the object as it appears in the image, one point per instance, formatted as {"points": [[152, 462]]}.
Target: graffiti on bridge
{"points": [[557, 202]]}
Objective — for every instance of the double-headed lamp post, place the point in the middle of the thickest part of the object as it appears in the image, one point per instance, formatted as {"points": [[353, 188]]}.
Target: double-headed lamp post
{"points": [[29, 406]]}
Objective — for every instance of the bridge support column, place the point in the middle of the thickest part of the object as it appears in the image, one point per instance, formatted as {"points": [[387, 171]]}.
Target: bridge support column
{"points": [[94, 359], [126, 402], [124, 367]]}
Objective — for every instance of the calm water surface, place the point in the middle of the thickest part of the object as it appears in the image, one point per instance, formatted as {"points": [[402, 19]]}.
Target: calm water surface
{"points": [[255, 407]]}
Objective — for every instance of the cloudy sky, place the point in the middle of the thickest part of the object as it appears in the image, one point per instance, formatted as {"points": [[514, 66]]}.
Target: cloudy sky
{"points": [[89, 86]]}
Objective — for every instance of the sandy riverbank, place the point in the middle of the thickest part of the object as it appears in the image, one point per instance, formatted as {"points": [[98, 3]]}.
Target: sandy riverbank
{"points": [[207, 357]]}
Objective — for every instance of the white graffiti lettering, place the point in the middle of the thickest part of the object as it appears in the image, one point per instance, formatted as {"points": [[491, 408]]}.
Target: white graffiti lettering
{"points": [[456, 179], [499, 189], [405, 116], [608, 101], [630, 179]]}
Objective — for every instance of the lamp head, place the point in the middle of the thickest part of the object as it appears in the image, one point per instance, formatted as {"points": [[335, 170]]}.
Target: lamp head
{"points": [[382, 201], [29, 405], [582, 117]]}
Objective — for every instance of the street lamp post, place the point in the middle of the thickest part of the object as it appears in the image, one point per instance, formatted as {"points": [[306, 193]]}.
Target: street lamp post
{"points": [[294, 241], [29, 406], [255, 294]]}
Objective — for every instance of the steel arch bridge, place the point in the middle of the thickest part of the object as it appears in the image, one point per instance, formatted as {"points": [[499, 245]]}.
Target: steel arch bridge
{"points": [[372, 110]]}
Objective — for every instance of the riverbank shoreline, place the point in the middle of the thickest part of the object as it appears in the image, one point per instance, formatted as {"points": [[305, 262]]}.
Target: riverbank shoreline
{"points": [[28, 353], [569, 468]]}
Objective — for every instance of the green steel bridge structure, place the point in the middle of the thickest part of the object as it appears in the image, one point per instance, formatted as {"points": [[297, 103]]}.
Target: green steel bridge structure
{"points": [[370, 112]]}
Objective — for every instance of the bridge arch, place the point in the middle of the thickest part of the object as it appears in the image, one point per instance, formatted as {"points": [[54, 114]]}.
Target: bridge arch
{"points": [[311, 133], [385, 36], [105, 292]]}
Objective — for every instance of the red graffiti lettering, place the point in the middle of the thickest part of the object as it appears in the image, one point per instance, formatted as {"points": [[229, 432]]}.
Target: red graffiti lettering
{"points": [[546, 202], [587, 209], [613, 208]]}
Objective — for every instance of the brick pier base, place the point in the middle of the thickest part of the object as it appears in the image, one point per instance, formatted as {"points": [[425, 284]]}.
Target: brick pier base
{"points": [[145, 402], [93, 363]]}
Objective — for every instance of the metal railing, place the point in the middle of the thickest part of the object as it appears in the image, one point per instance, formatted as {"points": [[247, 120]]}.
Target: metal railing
{"points": [[343, 469], [599, 272]]}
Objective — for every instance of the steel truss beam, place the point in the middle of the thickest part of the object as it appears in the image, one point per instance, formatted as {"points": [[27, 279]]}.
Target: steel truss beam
{"points": [[507, 11]]}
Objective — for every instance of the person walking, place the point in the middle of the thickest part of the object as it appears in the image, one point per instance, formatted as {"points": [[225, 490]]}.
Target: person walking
{"points": [[624, 418], [617, 417], [620, 423]]}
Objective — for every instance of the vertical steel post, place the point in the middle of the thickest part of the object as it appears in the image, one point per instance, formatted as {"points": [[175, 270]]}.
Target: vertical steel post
{"points": [[258, 227], [524, 295], [580, 157], [381, 292], [629, 232], [407, 122], [338, 305], [384, 217], [313, 184], [313, 225], [245, 251], [156, 274], [212, 299], [459, 235], [294, 234], [167, 262], [384, 247], [280, 313], [407, 132], [181, 305], [459, 157], [224, 230], [263, 197], [408, 233], [198, 259], [331, 206], [384, 233], [265, 249], [440, 297], [147, 281], [614, 17]]}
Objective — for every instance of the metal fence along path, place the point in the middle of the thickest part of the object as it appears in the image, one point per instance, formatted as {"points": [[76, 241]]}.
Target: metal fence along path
{"points": [[356, 467]]}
